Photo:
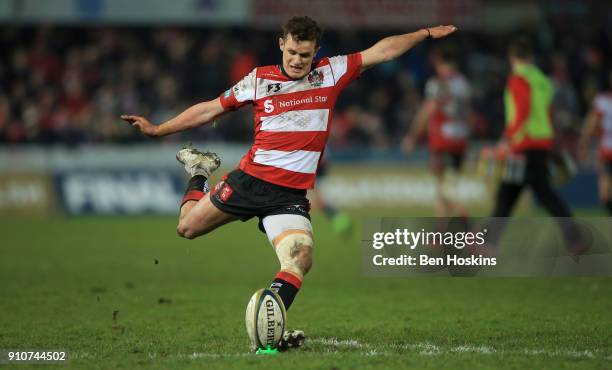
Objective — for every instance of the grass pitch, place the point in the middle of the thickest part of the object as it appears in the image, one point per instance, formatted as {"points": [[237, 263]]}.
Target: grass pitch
{"points": [[128, 293]]}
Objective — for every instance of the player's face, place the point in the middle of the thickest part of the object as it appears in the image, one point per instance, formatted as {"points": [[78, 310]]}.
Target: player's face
{"points": [[297, 56], [444, 70]]}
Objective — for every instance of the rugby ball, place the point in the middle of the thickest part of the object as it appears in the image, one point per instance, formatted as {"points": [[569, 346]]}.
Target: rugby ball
{"points": [[265, 319]]}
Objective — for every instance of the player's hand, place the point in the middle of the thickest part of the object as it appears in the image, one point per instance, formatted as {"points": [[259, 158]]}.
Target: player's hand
{"points": [[441, 31], [408, 144], [143, 124]]}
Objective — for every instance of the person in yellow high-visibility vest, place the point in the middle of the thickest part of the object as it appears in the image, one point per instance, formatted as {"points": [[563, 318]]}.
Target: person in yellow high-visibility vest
{"points": [[529, 132]]}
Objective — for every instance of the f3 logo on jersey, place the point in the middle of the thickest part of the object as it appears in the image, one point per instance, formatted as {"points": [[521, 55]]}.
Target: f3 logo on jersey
{"points": [[268, 106], [274, 87]]}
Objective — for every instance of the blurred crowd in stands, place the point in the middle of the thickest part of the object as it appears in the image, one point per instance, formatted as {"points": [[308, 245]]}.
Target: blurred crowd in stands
{"points": [[68, 85]]}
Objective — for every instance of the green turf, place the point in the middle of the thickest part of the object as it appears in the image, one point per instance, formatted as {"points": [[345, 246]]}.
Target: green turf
{"points": [[180, 304]]}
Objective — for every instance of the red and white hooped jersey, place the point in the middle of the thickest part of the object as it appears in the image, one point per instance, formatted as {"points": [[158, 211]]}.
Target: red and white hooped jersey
{"points": [[448, 127], [292, 118], [603, 107]]}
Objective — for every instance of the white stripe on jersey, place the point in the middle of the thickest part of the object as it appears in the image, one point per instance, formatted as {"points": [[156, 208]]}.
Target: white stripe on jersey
{"points": [[244, 90], [266, 88], [302, 161], [297, 120], [339, 65]]}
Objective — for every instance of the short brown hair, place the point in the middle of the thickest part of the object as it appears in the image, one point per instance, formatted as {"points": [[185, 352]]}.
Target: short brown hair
{"points": [[447, 54], [521, 48], [303, 29]]}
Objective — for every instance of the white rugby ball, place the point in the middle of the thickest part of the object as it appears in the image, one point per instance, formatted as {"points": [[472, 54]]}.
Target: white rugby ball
{"points": [[265, 319]]}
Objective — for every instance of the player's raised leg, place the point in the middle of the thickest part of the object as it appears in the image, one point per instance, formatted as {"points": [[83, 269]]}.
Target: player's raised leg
{"points": [[198, 215]]}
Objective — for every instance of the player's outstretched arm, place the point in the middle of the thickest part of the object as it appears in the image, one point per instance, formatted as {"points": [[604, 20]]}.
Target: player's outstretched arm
{"points": [[194, 116], [392, 47]]}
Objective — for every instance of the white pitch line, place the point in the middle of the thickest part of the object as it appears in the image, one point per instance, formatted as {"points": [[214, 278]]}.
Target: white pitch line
{"points": [[472, 349], [429, 349], [335, 346], [336, 342], [562, 353]]}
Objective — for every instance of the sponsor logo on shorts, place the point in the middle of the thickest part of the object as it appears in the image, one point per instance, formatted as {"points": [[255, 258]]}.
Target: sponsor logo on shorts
{"points": [[225, 193], [218, 187]]}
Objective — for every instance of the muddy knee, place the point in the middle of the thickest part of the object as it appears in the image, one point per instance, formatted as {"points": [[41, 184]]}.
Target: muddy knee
{"points": [[294, 251]]}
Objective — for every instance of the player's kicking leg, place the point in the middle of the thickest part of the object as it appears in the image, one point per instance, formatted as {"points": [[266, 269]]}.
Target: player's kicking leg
{"points": [[198, 215]]}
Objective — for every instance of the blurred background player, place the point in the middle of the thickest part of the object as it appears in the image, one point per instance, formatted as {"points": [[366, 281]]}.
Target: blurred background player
{"points": [[529, 132], [341, 221], [292, 102], [444, 113], [600, 116]]}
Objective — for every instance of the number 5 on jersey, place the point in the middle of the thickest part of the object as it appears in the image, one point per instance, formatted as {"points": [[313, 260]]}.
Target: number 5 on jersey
{"points": [[268, 106]]}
